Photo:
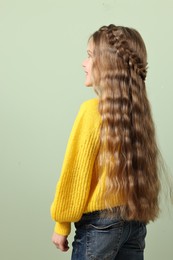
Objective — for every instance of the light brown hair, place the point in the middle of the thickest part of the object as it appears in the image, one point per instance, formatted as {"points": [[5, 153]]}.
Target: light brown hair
{"points": [[128, 150]]}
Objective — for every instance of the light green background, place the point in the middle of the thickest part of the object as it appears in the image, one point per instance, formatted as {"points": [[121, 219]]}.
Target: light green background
{"points": [[42, 46]]}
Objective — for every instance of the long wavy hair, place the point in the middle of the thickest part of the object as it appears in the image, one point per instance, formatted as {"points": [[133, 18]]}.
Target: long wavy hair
{"points": [[128, 150]]}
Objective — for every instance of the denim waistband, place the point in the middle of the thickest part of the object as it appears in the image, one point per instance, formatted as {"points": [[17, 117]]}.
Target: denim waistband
{"points": [[108, 213]]}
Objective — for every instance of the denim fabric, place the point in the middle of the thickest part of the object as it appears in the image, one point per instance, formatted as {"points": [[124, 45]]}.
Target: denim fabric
{"points": [[99, 238]]}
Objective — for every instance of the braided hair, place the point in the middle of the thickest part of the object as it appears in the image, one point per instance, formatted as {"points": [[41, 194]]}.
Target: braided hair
{"points": [[128, 150]]}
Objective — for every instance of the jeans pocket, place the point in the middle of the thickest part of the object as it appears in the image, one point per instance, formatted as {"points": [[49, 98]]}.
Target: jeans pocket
{"points": [[103, 239], [106, 227]]}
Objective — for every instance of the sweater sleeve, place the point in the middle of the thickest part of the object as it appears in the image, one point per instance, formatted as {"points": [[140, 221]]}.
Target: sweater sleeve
{"points": [[74, 184]]}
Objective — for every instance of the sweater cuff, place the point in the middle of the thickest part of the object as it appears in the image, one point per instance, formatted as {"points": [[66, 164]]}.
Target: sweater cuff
{"points": [[63, 229]]}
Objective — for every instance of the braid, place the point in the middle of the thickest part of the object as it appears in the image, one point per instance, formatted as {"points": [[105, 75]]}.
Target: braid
{"points": [[117, 40]]}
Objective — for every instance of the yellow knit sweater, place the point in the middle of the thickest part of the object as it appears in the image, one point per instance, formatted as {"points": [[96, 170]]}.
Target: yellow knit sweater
{"points": [[78, 190]]}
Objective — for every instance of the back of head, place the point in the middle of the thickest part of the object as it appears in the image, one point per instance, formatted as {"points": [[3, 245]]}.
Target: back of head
{"points": [[118, 50]]}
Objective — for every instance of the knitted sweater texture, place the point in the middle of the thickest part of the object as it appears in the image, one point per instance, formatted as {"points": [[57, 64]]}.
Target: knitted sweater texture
{"points": [[78, 190]]}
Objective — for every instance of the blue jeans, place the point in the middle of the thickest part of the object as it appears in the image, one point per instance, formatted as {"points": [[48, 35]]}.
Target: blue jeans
{"points": [[103, 238]]}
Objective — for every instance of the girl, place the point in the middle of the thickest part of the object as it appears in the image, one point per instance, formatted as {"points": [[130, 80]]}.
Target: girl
{"points": [[109, 184]]}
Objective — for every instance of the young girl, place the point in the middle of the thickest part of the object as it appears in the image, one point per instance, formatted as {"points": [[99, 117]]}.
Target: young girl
{"points": [[109, 184]]}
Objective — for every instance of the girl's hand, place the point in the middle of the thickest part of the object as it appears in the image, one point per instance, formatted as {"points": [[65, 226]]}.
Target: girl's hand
{"points": [[60, 242]]}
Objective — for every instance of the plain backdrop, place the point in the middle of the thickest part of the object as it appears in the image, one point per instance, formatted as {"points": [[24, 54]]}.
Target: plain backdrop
{"points": [[42, 46]]}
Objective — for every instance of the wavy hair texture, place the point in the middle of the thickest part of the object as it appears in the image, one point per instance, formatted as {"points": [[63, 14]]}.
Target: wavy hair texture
{"points": [[128, 150]]}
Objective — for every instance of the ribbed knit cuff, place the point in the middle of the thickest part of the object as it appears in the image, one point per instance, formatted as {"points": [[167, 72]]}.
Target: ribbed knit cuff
{"points": [[63, 229]]}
